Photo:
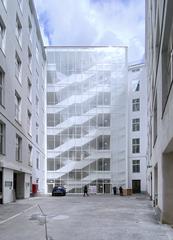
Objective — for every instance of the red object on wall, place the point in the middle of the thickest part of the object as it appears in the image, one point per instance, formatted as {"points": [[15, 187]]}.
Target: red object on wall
{"points": [[34, 188]]}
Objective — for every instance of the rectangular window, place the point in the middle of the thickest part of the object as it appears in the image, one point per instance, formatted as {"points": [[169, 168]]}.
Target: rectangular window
{"points": [[155, 120], [17, 107], [30, 28], [135, 85], [29, 59], [2, 138], [37, 104], [18, 67], [29, 90], [18, 30], [135, 145], [37, 133], [167, 64], [135, 124], [2, 34], [29, 155], [2, 87], [37, 161], [136, 105], [29, 122], [136, 166], [18, 148]]}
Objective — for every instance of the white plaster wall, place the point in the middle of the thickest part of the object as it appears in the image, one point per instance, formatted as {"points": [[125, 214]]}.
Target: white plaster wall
{"points": [[7, 113], [142, 134]]}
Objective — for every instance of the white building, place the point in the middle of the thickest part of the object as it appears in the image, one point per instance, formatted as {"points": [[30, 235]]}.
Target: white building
{"points": [[159, 49], [137, 128], [87, 118], [22, 101]]}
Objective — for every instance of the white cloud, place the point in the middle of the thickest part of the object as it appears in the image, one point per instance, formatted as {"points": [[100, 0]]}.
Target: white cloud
{"points": [[94, 22]]}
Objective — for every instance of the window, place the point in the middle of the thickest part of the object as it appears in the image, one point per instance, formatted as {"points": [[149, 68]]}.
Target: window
{"points": [[135, 124], [18, 30], [37, 160], [29, 59], [2, 88], [17, 107], [30, 28], [2, 34], [29, 155], [2, 138], [136, 70], [136, 166], [135, 85], [103, 164], [104, 120], [18, 67], [18, 148], [103, 142], [29, 90], [37, 104], [167, 64], [136, 104], [37, 132], [135, 145], [37, 79], [29, 123], [155, 120]]}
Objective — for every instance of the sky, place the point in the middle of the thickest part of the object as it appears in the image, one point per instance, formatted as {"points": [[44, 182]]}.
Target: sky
{"points": [[94, 23]]}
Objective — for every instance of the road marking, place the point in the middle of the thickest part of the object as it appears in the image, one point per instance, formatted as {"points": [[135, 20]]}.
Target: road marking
{"points": [[18, 214]]}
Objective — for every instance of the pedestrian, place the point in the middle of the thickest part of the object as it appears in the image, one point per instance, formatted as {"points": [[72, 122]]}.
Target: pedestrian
{"points": [[115, 190], [121, 191], [85, 191]]}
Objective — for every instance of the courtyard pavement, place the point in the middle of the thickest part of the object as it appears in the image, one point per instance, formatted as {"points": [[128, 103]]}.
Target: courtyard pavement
{"points": [[97, 217]]}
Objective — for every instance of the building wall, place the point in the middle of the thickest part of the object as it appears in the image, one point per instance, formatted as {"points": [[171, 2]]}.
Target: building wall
{"points": [[86, 118], [137, 90], [26, 45], [159, 22]]}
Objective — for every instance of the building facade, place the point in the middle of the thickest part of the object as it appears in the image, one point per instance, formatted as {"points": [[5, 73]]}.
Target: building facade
{"points": [[159, 49], [87, 118], [137, 128], [22, 101]]}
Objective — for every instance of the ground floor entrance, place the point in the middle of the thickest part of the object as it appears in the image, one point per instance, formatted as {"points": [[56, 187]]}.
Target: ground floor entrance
{"points": [[100, 186], [1, 187], [136, 186]]}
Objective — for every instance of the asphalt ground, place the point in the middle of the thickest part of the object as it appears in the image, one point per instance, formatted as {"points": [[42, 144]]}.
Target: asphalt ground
{"points": [[97, 217]]}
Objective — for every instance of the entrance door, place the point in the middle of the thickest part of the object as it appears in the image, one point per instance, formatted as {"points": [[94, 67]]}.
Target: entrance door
{"points": [[136, 186], [0, 187], [106, 188]]}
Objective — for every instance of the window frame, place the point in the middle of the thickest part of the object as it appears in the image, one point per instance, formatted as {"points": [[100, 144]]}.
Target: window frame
{"points": [[18, 148], [2, 138], [135, 145], [136, 166]]}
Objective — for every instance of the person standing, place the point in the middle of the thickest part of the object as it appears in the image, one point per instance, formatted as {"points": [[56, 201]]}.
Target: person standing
{"points": [[121, 191], [115, 190], [85, 191]]}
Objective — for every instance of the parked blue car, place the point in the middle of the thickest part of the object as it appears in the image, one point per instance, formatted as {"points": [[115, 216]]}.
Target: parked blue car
{"points": [[58, 191]]}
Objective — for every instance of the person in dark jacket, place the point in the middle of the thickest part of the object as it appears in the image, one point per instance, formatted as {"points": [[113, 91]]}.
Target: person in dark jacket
{"points": [[121, 191], [85, 191], [115, 190]]}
